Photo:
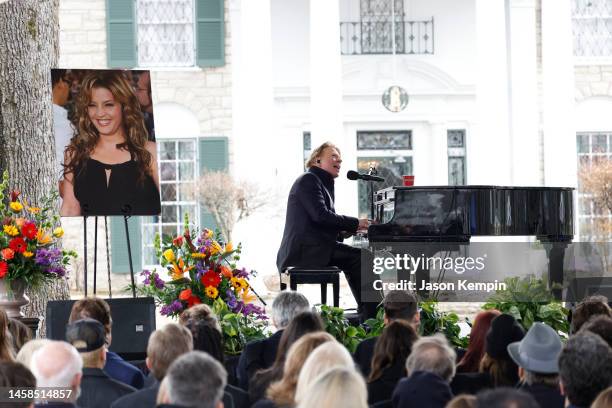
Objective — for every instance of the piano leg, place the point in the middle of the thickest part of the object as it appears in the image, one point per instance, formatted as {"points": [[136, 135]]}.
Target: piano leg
{"points": [[555, 251]]}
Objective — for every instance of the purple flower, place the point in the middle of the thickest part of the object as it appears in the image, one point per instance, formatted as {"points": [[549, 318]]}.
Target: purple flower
{"points": [[57, 270], [231, 301], [242, 273], [159, 283], [172, 308], [46, 257]]}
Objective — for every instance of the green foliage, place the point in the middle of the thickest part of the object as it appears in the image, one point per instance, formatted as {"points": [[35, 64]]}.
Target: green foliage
{"points": [[338, 326], [434, 321], [529, 300], [237, 328]]}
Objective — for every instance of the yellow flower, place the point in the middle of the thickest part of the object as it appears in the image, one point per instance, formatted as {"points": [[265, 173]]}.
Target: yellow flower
{"points": [[169, 255], [229, 247], [11, 230], [208, 233], [235, 283], [16, 206], [28, 254], [215, 248], [211, 292], [248, 297], [42, 237], [198, 255], [58, 232], [178, 270], [34, 210], [243, 283]]}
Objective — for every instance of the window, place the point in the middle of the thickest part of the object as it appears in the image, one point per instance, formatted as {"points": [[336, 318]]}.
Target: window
{"points": [[592, 27], [165, 33], [456, 157], [595, 223], [178, 175], [390, 153]]}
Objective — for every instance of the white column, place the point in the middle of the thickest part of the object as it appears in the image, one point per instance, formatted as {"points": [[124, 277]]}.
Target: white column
{"points": [[491, 152], [558, 83], [524, 87], [325, 72]]}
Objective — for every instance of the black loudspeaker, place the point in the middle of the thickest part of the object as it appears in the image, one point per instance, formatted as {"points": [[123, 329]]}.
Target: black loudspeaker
{"points": [[133, 323]]}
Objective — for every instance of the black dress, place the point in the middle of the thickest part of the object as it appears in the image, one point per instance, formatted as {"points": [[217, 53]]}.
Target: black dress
{"points": [[124, 194]]}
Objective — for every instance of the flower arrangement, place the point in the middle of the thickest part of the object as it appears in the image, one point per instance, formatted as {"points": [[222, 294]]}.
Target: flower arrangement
{"points": [[28, 239], [203, 270]]}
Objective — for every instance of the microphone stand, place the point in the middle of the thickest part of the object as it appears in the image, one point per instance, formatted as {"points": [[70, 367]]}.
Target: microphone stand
{"points": [[371, 172]]}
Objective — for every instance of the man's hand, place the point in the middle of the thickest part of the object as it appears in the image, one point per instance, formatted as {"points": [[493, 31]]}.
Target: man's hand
{"points": [[364, 223]]}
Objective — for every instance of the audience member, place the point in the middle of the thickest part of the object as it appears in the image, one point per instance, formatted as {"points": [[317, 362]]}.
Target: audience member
{"points": [[20, 334], [199, 312], [207, 338], [430, 368], [14, 375], [195, 379], [496, 361], [600, 325], [589, 307], [302, 324], [505, 397], [462, 401], [261, 354], [57, 364], [537, 355], [282, 393], [470, 363], [397, 305], [25, 354], [97, 388], [604, 399], [334, 388], [325, 357], [6, 344], [115, 367], [585, 369], [62, 128], [165, 346], [389, 361]]}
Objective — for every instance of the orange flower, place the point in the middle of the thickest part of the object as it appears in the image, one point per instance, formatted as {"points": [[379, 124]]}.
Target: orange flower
{"points": [[227, 272], [248, 297], [42, 237], [20, 221], [28, 254], [185, 294], [198, 255], [178, 270], [229, 247], [7, 254]]}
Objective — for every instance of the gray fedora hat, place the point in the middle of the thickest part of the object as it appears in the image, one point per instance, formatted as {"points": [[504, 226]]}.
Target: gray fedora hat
{"points": [[538, 351]]}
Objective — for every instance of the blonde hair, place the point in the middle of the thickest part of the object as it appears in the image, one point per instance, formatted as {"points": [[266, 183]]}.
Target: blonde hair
{"points": [[462, 401], [324, 358], [282, 392], [604, 399], [92, 359], [338, 387], [316, 153], [166, 345]]}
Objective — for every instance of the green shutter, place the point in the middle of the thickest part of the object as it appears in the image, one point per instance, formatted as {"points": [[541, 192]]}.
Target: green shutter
{"points": [[121, 33], [210, 33], [213, 156], [119, 254]]}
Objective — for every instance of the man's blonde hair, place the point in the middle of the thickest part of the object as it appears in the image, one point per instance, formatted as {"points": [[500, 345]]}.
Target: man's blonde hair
{"points": [[316, 153]]}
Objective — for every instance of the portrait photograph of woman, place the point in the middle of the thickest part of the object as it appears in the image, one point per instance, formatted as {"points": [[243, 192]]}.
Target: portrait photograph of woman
{"points": [[110, 163]]}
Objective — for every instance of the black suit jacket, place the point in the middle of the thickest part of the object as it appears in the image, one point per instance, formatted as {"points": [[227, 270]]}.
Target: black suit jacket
{"points": [[312, 226], [147, 397], [99, 390], [257, 355], [363, 355]]}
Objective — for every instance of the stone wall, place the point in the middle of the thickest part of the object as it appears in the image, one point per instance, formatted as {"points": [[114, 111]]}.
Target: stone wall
{"points": [[593, 80]]}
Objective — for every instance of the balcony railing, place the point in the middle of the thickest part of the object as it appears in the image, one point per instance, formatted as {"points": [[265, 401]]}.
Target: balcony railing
{"points": [[374, 37]]}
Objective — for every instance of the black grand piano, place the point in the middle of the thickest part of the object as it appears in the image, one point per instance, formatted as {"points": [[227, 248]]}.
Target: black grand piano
{"points": [[454, 214]]}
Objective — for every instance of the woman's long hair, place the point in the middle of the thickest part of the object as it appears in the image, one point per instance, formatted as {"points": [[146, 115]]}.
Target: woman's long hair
{"points": [[470, 363], [282, 392], [207, 338], [20, 333], [84, 141], [503, 373], [394, 344], [6, 343], [337, 387]]}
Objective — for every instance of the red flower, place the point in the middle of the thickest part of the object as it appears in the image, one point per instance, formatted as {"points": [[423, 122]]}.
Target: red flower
{"points": [[29, 230], [7, 254], [18, 245], [178, 241], [193, 300], [15, 195], [211, 278], [185, 294], [3, 269]]}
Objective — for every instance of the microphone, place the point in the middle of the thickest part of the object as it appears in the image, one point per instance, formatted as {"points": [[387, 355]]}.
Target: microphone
{"points": [[353, 175]]}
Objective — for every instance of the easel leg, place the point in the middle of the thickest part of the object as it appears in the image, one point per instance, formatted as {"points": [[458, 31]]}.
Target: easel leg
{"points": [[110, 292], [95, 265], [85, 254], [127, 236]]}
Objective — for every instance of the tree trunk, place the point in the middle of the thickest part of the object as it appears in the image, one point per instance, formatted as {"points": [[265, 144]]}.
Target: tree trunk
{"points": [[29, 48]]}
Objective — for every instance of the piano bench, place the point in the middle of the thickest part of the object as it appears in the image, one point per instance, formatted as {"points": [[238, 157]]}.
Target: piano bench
{"points": [[317, 275]]}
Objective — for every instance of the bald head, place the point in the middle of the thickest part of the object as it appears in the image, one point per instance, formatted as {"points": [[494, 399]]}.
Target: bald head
{"points": [[57, 364]]}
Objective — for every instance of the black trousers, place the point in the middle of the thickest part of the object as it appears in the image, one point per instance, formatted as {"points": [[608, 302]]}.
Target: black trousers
{"points": [[348, 259]]}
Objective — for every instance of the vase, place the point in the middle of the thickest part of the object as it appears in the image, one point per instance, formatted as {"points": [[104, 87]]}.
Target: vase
{"points": [[12, 297]]}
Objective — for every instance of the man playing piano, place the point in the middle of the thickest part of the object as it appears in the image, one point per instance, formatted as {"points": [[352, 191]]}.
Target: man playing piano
{"points": [[313, 231]]}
